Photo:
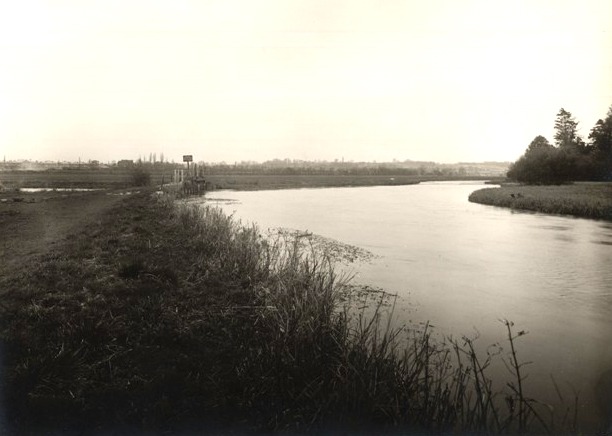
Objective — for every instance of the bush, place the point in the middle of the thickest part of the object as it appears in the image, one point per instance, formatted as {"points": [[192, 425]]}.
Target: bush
{"points": [[141, 176]]}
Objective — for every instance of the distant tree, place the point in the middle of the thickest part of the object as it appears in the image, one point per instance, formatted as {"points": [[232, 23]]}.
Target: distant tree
{"points": [[566, 130], [600, 143], [536, 167], [600, 137], [539, 142], [542, 163], [572, 159]]}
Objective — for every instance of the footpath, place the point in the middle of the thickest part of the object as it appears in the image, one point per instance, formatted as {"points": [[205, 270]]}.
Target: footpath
{"points": [[32, 223]]}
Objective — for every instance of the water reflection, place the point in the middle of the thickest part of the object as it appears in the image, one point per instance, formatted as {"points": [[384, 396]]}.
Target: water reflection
{"points": [[602, 242], [552, 227]]}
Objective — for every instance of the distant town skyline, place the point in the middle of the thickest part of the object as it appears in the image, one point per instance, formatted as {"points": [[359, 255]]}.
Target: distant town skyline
{"points": [[236, 80]]}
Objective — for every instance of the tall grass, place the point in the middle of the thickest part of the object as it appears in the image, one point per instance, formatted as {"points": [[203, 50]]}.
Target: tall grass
{"points": [[172, 317]]}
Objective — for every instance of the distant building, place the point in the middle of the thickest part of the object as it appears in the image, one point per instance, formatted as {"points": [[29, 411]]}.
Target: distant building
{"points": [[125, 163]]}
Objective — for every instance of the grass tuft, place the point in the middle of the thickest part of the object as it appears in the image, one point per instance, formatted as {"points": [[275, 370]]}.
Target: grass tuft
{"points": [[131, 269]]}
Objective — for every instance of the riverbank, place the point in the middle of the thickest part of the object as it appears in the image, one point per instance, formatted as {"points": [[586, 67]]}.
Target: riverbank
{"points": [[155, 317], [586, 200], [261, 182]]}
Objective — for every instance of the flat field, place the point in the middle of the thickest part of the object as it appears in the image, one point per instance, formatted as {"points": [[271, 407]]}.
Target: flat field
{"points": [[121, 178], [77, 178], [587, 200]]}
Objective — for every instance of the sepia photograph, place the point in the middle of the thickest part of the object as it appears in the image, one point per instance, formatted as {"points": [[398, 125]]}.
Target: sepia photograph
{"points": [[306, 217]]}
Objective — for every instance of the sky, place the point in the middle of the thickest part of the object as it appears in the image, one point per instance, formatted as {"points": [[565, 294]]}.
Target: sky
{"points": [[236, 80]]}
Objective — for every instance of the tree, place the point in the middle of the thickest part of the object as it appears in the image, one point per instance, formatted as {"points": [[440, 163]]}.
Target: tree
{"points": [[539, 142], [539, 166], [542, 163], [600, 142], [566, 128], [600, 137], [573, 159]]}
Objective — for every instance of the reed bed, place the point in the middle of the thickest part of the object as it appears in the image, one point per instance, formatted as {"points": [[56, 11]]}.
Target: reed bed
{"points": [[588, 200], [179, 319]]}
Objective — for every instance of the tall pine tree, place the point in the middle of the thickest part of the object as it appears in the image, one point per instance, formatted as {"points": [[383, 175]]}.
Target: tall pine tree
{"points": [[566, 130]]}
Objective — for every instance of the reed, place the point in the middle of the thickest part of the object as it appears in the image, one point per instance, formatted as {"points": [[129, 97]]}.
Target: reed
{"points": [[175, 318]]}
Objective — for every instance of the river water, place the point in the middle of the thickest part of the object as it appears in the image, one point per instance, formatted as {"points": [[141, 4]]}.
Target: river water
{"points": [[464, 266]]}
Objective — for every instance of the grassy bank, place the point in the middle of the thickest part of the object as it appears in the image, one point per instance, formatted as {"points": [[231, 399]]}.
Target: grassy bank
{"points": [[587, 200], [168, 318]]}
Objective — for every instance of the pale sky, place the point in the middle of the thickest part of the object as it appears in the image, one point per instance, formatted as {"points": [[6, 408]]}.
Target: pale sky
{"points": [[232, 80]]}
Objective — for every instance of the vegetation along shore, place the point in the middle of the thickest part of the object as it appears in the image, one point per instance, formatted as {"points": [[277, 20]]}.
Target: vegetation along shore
{"points": [[569, 177], [586, 200], [152, 316]]}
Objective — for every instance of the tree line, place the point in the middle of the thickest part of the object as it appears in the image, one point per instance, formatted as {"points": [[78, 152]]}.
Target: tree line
{"points": [[570, 158]]}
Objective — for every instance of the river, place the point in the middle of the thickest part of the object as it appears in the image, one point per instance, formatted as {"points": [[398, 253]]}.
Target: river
{"points": [[464, 266]]}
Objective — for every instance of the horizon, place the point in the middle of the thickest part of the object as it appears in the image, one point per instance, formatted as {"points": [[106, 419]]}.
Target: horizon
{"points": [[85, 161], [228, 81]]}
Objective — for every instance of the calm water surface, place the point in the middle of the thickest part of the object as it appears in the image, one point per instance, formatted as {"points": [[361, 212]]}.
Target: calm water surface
{"points": [[465, 266]]}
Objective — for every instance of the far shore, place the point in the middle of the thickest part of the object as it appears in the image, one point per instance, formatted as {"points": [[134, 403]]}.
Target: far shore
{"points": [[99, 179], [585, 200], [268, 182]]}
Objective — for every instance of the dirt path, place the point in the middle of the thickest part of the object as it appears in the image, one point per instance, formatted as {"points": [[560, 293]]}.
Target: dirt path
{"points": [[37, 222]]}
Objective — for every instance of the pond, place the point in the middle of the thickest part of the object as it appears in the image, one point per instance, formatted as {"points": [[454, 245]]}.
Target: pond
{"points": [[463, 267]]}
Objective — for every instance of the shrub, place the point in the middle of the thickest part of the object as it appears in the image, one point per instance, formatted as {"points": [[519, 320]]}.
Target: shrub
{"points": [[140, 176]]}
